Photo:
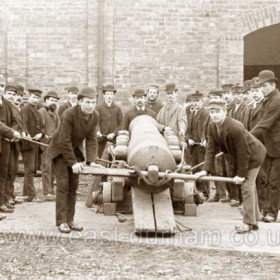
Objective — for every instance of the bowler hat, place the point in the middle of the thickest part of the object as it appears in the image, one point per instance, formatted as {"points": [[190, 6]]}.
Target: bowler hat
{"points": [[255, 83], [51, 94], [109, 88], [266, 75], [11, 88], [139, 93], [86, 92], [169, 88], [73, 90], [36, 92], [217, 104]]}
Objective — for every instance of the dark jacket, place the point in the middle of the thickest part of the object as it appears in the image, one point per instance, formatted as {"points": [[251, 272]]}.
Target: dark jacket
{"points": [[256, 115], [110, 118], [5, 131], [7, 117], [133, 113], [67, 139], [269, 125], [245, 150], [154, 106], [63, 107], [197, 125], [33, 122]]}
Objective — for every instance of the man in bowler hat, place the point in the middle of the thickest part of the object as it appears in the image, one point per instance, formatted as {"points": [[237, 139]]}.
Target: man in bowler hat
{"points": [[268, 129]]}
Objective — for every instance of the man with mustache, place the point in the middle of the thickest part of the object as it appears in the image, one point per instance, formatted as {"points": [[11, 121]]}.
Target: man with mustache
{"points": [[51, 122]]}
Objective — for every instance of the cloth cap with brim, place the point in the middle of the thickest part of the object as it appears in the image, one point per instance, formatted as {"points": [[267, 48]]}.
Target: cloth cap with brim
{"points": [[227, 87], [139, 93], [110, 88], [236, 89], [216, 92], [153, 86], [217, 104], [170, 88], [87, 92], [255, 83], [73, 90], [11, 88], [196, 96], [36, 92], [246, 86], [266, 76], [51, 94]]}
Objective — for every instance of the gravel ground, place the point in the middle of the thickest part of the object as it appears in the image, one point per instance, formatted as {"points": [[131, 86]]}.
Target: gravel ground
{"points": [[77, 259]]}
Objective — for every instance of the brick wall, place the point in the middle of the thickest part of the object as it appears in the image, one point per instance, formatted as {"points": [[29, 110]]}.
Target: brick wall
{"points": [[196, 43]]}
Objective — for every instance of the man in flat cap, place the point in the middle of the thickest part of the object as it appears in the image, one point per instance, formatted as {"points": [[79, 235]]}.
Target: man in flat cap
{"points": [[79, 123], [51, 122], [110, 118], [173, 115], [72, 100], [196, 135], [8, 129], [247, 154], [33, 122], [138, 109], [268, 129], [152, 96]]}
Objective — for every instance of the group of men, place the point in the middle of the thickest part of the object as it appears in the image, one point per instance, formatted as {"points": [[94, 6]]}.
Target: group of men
{"points": [[239, 121]]}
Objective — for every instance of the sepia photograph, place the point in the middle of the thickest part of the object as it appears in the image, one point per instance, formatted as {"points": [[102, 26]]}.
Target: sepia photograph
{"points": [[139, 139]]}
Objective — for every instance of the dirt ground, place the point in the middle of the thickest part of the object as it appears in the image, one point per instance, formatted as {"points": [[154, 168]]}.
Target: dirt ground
{"points": [[31, 257], [92, 259]]}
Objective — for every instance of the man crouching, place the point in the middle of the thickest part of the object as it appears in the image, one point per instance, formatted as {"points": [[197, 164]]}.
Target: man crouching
{"points": [[78, 123], [246, 152]]}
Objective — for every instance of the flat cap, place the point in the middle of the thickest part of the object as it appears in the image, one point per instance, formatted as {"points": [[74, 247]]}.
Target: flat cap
{"points": [[11, 88], [217, 104], [87, 92], [216, 92], [196, 96], [139, 93], [36, 92], [227, 87]]}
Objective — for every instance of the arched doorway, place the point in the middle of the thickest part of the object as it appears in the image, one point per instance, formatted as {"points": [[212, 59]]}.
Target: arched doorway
{"points": [[262, 51]]}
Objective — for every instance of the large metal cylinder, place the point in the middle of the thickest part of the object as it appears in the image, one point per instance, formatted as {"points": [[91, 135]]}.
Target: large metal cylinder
{"points": [[147, 146]]}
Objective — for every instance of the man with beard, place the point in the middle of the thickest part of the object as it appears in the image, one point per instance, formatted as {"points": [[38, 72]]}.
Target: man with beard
{"points": [[152, 96], [247, 154], [173, 115], [78, 124], [138, 109], [268, 129], [72, 100], [33, 122], [110, 119], [51, 122]]}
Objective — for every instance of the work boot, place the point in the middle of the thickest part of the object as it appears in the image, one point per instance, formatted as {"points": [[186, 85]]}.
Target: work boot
{"points": [[75, 226], [64, 228], [9, 206], [2, 217], [4, 209]]}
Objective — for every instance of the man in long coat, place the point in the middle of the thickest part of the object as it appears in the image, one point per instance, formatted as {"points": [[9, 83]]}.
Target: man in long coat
{"points": [[173, 115], [268, 129]]}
